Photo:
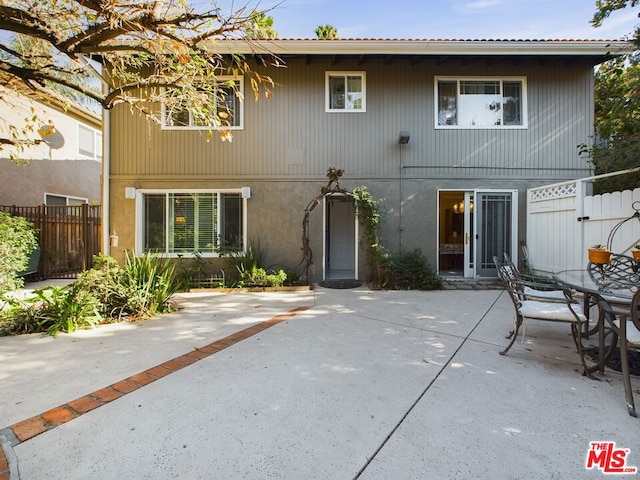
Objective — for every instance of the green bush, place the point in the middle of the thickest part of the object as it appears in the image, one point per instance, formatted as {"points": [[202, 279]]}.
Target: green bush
{"points": [[407, 271], [107, 292], [51, 310], [258, 277], [142, 288], [17, 241], [149, 281]]}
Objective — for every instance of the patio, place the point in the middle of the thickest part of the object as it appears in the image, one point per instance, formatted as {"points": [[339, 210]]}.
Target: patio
{"points": [[361, 384]]}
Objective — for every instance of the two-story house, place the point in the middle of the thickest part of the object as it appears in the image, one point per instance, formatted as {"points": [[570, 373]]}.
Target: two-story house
{"points": [[448, 134], [60, 162]]}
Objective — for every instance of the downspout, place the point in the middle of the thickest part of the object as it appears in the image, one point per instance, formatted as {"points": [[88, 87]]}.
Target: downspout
{"points": [[106, 179]]}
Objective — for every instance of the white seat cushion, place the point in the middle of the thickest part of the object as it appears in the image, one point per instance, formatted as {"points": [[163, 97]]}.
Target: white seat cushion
{"points": [[555, 294], [633, 334], [550, 311]]}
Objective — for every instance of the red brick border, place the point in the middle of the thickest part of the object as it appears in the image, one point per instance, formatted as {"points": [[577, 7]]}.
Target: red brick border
{"points": [[50, 419], [4, 466]]}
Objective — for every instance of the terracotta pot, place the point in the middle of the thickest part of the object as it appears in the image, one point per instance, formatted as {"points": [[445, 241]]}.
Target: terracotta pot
{"points": [[599, 256], [636, 255]]}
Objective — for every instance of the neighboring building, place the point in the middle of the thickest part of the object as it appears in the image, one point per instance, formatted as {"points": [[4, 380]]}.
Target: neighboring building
{"points": [[449, 134], [65, 167]]}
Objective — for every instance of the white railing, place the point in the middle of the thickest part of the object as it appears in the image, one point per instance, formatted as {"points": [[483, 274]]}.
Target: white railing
{"points": [[563, 220]]}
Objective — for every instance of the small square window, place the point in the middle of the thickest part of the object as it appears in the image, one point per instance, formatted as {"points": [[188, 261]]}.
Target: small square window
{"points": [[345, 92]]}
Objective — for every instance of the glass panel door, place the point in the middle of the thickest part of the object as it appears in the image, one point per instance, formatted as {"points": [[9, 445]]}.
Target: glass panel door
{"points": [[496, 223], [469, 235]]}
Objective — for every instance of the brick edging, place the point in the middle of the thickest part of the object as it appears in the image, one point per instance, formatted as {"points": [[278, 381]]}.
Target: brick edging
{"points": [[31, 427]]}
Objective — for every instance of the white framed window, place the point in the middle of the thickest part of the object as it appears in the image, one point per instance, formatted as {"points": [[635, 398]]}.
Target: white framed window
{"points": [[89, 142], [480, 102], [52, 199], [345, 92], [179, 222], [229, 92]]}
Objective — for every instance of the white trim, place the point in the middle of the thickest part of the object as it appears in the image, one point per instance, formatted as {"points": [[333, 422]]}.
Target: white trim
{"points": [[423, 47], [221, 80], [327, 91], [501, 79]]}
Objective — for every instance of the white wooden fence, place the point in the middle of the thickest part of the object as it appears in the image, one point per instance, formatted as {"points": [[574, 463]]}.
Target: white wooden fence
{"points": [[563, 221]]}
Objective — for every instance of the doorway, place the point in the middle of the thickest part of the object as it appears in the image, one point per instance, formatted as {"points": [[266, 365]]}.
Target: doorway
{"points": [[474, 226], [340, 257]]}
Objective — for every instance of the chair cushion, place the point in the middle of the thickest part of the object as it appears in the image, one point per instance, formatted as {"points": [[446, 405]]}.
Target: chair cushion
{"points": [[633, 334], [555, 294], [550, 311]]}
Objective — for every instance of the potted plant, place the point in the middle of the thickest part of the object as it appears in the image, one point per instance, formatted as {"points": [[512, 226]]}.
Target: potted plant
{"points": [[636, 252], [599, 254]]}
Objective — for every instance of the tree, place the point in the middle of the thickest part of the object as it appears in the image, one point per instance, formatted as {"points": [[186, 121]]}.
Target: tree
{"points": [[142, 53], [617, 123], [607, 7], [326, 32], [617, 110], [261, 26]]}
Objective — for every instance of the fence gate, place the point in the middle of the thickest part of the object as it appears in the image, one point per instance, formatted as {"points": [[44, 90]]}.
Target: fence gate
{"points": [[69, 237]]}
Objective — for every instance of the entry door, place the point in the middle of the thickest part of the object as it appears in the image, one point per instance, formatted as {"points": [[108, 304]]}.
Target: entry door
{"points": [[495, 215], [340, 252]]}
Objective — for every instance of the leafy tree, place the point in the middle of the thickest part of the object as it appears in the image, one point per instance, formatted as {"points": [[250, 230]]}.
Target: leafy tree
{"points": [[607, 7], [142, 53], [326, 32], [617, 123], [617, 110], [261, 26]]}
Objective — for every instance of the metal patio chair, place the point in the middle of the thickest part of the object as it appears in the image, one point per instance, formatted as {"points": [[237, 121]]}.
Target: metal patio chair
{"points": [[624, 319], [531, 303]]}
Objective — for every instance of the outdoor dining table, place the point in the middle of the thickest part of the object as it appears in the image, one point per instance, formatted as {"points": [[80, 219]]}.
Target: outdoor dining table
{"points": [[613, 300]]}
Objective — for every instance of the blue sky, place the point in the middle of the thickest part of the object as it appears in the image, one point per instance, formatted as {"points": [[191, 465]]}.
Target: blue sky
{"points": [[447, 19]]}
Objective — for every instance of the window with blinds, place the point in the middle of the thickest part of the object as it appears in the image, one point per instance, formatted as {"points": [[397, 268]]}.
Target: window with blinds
{"points": [[208, 222]]}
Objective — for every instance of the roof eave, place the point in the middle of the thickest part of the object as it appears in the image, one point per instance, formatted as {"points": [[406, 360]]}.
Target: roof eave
{"points": [[588, 48]]}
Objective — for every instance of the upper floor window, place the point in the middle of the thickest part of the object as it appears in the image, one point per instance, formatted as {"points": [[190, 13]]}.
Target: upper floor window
{"points": [[89, 142], [345, 92], [481, 102], [228, 93]]}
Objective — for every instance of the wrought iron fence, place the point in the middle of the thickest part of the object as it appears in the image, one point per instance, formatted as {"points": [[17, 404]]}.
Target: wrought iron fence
{"points": [[69, 237]]}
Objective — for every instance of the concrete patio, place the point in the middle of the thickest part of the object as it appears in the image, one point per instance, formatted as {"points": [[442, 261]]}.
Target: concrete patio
{"points": [[338, 384]]}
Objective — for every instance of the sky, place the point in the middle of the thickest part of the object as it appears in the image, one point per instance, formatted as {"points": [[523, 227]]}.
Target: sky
{"points": [[447, 19]]}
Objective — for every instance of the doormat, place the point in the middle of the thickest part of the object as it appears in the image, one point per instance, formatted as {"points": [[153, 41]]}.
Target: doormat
{"points": [[614, 361], [341, 283]]}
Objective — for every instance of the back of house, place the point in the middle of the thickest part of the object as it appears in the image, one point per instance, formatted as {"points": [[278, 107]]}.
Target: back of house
{"points": [[447, 134]]}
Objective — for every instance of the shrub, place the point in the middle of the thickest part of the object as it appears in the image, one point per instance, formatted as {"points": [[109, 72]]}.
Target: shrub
{"points": [[407, 271], [51, 310], [107, 292], [149, 281], [17, 241], [258, 277], [104, 283]]}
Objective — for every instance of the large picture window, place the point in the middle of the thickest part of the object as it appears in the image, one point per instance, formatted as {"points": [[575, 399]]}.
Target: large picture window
{"points": [[345, 92], [481, 102], [181, 222], [228, 93]]}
